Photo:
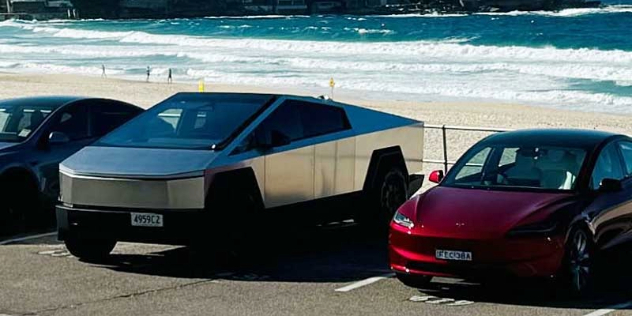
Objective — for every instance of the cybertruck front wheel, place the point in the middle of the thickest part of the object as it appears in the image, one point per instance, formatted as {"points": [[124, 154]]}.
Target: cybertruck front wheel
{"points": [[90, 250]]}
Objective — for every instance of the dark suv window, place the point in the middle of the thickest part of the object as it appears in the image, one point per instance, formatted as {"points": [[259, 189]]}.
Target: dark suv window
{"points": [[106, 116], [73, 121], [299, 120]]}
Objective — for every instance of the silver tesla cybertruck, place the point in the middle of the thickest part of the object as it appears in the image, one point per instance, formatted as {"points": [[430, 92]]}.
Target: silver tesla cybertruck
{"points": [[199, 166]]}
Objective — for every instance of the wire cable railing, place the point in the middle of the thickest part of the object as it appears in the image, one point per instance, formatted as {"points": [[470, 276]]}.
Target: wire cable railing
{"points": [[444, 134]]}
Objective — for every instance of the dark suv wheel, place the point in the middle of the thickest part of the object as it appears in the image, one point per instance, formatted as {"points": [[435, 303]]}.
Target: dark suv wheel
{"points": [[20, 204]]}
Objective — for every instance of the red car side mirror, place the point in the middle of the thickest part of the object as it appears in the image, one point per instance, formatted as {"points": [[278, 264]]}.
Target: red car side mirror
{"points": [[436, 176]]}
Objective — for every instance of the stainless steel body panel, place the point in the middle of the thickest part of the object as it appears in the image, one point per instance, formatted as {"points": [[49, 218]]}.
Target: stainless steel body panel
{"points": [[409, 139], [345, 165], [130, 193], [325, 169], [289, 177]]}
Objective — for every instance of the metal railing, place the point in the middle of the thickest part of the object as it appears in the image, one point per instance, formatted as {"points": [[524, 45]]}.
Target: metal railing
{"points": [[444, 129]]}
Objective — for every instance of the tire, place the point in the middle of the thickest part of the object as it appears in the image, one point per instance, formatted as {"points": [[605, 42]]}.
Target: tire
{"points": [[20, 206], [236, 228], [383, 200], [414, 281], [90, 250], [578, 268]]}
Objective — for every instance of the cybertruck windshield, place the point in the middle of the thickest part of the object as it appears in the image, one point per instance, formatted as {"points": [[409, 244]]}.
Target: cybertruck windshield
{"points": [[511, 167], [18, 121], [188, 121]]}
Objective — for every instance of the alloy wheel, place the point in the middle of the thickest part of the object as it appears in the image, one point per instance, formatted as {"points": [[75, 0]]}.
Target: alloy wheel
{"points": [[580, 261]]}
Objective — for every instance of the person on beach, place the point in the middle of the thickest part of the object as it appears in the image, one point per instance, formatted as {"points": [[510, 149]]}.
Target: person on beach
{"points": [[148, 73], [103, 74], [170, 77]]}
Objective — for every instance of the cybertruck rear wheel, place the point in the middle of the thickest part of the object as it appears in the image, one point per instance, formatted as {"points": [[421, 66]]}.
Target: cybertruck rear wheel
{"points": [[90, 250], [383, 200]]}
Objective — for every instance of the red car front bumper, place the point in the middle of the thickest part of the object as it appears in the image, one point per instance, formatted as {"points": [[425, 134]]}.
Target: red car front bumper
{"points": [[413, 253]]}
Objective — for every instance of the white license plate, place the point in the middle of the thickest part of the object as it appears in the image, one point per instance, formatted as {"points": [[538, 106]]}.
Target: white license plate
{"points": [[453, 255], [147, 220]]}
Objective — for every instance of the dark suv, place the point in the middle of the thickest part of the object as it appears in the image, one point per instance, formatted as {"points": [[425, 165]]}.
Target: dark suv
{"points": [[36, 134]]}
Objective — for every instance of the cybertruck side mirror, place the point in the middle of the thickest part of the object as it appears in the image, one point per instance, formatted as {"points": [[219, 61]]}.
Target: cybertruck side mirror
{"points": [[57, 138], [436, 176], [610, 185]]}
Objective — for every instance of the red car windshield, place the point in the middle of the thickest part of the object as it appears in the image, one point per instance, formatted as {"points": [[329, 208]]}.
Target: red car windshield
{"points": [[547, 168]]}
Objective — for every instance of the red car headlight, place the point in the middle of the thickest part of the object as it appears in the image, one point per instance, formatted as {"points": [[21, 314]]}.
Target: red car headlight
{"points": [[402, 220]]}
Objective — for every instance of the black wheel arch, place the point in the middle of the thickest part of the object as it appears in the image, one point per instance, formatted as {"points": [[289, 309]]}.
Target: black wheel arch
{"points": [[382, 160], [21, 174], [225, 184]]}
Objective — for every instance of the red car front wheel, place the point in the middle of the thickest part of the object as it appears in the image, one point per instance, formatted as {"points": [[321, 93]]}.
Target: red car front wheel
{"points": [[579, 261]]}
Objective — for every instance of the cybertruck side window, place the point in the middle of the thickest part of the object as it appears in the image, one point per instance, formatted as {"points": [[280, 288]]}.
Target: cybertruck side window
{"points": [[299, 120]]}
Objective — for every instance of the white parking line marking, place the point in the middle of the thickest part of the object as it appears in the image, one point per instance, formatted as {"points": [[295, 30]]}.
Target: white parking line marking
{"points": [[441, 301], [609, 309], [461, 303], [418, 298], [365, 282], [10, 241]]}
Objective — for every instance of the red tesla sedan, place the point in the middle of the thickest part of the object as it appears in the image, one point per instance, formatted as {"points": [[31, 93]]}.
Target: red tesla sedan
{"points": [[525, 203]]}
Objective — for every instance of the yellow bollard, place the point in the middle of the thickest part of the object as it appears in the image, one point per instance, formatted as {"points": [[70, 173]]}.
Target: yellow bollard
{"points": [[332, 84], [201, 85]]}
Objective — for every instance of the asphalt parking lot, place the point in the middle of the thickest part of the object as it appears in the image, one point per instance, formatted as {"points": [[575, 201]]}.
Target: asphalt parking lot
{"points": [[335, 270]]}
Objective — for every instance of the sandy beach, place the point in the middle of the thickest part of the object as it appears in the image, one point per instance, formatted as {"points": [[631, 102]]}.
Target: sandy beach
{"points": [[512, 116]]}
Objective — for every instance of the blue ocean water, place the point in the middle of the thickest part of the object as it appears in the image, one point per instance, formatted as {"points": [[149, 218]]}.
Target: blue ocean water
{"points": [[577, 59]]}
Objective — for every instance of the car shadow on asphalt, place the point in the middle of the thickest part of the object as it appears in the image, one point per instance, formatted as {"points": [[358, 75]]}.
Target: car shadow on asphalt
{"points": [[612, 287], [334, 253], [347, 253]]}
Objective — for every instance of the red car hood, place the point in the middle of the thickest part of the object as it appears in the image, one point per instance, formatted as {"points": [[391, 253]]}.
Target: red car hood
{"points": [[479, 214]]}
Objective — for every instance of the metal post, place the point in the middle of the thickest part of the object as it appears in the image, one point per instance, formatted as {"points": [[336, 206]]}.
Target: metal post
{"points": [[9, 6], [445, 149]]}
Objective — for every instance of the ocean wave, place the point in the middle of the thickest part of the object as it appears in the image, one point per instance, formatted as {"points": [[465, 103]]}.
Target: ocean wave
{"points": [[429, 15], [229, 17], [439, 49], [31, 67], [78, 50], [570, 13], [363, 31], [418, 49], [561, 98]]}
